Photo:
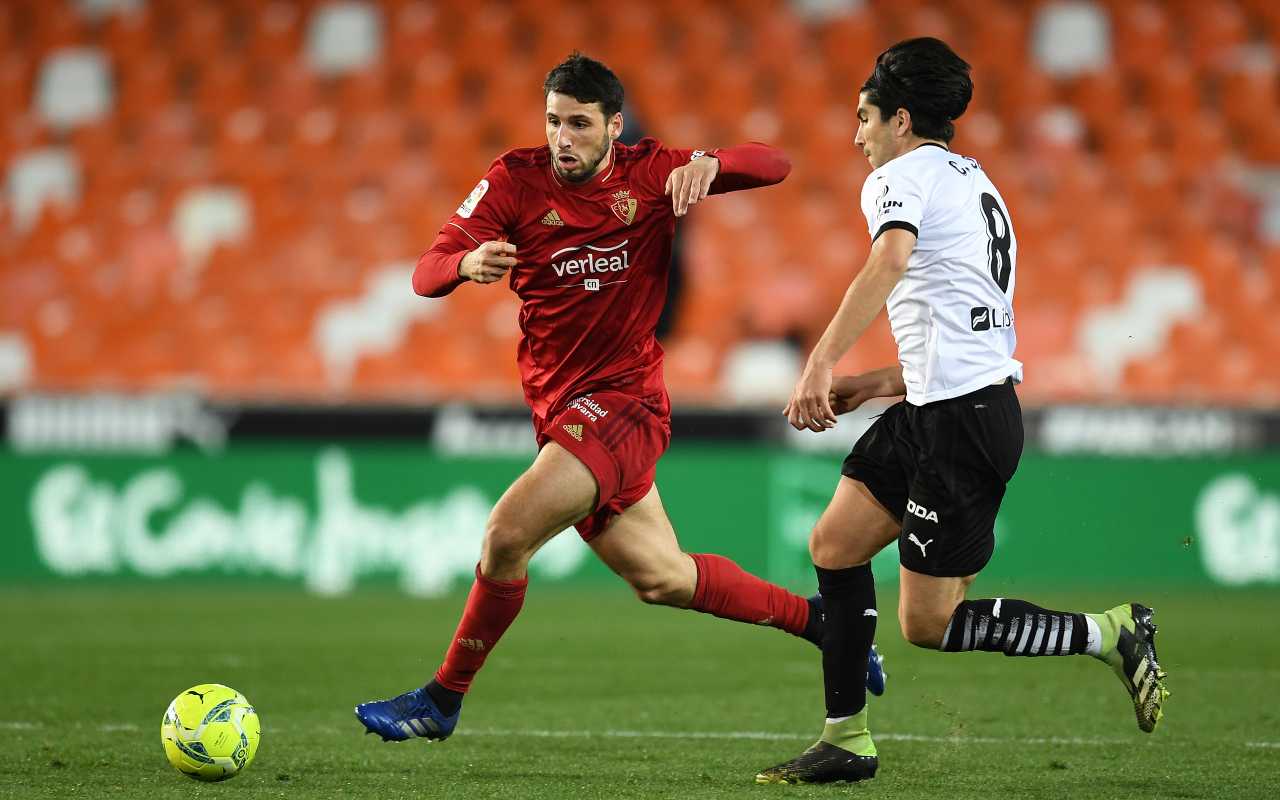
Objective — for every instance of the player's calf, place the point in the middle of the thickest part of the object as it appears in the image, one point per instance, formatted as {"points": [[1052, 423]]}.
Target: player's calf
{"points": [[923, 627], [670, 589], [1016, 628]]}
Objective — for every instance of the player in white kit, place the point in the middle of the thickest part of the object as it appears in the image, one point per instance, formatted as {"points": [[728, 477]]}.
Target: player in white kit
{"points": [[931, 471]]}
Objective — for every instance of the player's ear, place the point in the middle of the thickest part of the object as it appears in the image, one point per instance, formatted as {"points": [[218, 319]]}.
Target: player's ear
{"points": [[615, 126], [902, 122]]}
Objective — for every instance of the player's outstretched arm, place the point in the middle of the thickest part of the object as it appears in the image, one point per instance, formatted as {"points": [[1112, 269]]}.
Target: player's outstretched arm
{"points": [[749, 166], [850, 391], [727, 169], [810, 405]]}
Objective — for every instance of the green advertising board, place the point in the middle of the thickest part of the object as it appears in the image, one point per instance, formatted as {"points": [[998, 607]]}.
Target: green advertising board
{"points": [[333, 518]]}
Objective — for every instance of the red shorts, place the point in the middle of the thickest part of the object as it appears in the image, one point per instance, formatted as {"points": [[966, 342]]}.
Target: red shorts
{"points": [[620, 438]]}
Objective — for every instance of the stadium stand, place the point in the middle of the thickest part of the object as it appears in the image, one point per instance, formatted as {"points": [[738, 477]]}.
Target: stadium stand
{"points": [[226, 195]]}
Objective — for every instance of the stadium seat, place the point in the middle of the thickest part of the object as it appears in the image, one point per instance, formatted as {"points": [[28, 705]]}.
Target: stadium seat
{"points": [[760, 371], [344, 37], [107, 10], [15, 361], [1144, 37], [39, 177], [1071, 38], [204, 217], [74, 87]]}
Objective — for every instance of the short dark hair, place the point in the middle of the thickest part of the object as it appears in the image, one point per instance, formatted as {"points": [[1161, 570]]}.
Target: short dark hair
{"points": [[925, 77], [587, 81]]}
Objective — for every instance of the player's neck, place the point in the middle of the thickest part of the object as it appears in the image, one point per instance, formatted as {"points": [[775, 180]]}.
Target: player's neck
{"points": [[912, 143], [916, 142]]}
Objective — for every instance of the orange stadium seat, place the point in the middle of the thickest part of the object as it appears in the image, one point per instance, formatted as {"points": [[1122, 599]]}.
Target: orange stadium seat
{"points": [[1143, 39], [1213, 30]]}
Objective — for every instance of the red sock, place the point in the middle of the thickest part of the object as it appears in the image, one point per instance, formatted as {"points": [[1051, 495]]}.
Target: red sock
{"points": [[491, 608], [727, 591]]}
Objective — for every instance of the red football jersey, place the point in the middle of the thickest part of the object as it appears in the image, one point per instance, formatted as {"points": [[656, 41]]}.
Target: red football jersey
{"points": [[593, 260]]}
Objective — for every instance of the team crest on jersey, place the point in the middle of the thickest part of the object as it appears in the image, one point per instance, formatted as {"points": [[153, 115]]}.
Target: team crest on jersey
{"points": [[624, 205]]}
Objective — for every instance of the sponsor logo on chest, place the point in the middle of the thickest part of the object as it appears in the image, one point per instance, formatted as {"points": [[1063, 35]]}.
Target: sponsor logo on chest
{"points": [[598, 265]]}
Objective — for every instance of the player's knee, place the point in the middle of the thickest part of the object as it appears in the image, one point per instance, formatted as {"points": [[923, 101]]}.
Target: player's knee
{"points": [[507, 542], [826, 549], [923, 627]]}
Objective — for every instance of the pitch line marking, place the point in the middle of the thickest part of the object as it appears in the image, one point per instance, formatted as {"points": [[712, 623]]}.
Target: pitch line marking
{"points": [[18, 725]]}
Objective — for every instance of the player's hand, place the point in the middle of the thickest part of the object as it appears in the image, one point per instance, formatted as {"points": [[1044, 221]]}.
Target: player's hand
{"points": [[690, 183], [488, 262], [810, 405], [850, 391]]}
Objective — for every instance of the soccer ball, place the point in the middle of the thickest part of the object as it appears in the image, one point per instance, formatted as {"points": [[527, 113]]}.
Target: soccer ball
{"points": [[210, 732]]}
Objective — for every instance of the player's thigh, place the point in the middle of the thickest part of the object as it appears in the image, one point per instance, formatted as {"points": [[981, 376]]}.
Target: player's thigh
{"points": [[641, 547], [926, 603], [556, 491], [853, 528]]}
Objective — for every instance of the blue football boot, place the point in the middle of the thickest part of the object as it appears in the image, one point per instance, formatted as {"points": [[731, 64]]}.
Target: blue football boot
{"points": [[875, 672], [412, 714]]}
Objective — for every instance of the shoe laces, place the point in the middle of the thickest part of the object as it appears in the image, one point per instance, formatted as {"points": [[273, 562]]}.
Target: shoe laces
{"points": [[408, 704]]}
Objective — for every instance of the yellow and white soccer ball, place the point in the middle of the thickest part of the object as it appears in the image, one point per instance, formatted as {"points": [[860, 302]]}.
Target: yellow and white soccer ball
{"points": [[210, 732]]}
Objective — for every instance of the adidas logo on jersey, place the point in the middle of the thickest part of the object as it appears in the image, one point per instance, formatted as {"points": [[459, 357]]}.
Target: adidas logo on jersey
{"points": [[473, 644], [552, 217], [574, 430]]}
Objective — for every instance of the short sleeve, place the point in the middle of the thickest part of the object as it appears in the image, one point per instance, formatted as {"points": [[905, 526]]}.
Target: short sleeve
{"points": [[489, 212], [892, 200]]}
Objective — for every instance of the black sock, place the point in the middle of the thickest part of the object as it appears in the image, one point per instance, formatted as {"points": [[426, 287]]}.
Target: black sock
{"points": [[849, 598], [1016, 628], [447, 700], [814, 628]]}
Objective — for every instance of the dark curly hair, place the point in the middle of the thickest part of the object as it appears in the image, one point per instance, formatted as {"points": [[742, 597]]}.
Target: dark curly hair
{"points": [[925, 77], [587, 81]]}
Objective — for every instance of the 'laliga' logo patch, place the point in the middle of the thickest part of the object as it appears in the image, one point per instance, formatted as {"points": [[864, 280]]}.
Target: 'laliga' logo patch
{"points": [[624, 206], [469, 205]]}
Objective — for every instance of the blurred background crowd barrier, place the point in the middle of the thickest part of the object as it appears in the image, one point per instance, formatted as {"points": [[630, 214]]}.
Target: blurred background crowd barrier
{"points": [[210, 210]]}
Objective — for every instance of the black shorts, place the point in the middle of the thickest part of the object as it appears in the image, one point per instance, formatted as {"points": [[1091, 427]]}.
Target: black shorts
{"points": [[941, 468]]}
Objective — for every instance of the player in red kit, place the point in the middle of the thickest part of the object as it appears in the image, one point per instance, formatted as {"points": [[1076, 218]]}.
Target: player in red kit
{"points": [[583, 226]]}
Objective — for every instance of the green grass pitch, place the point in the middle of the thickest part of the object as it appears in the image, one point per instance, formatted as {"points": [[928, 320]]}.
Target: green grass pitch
{"points": [[592, 695]]}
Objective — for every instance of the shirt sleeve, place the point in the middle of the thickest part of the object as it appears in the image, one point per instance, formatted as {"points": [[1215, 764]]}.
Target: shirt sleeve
{"points": [[743, 166], [437, 271], [487, 214], [894, 200]]}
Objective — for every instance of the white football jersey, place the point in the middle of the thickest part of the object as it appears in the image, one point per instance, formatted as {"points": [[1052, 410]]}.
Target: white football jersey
{"points": [[952, 313]]}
